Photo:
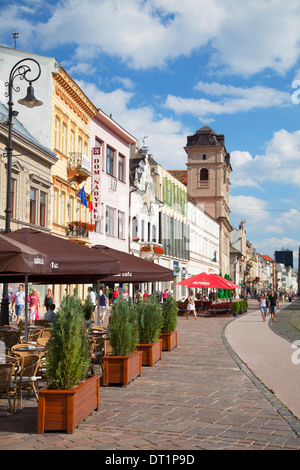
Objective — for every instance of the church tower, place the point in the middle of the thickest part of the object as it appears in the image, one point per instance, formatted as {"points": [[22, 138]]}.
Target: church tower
{"points": [[208, 181]]}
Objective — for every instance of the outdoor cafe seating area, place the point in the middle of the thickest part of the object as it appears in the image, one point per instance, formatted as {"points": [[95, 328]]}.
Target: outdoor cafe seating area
{"points": [[23, 363]]}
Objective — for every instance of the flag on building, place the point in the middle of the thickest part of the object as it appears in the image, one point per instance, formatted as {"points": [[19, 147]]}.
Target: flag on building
{"points": [[81, 194], [214, 260], [90, 203]]}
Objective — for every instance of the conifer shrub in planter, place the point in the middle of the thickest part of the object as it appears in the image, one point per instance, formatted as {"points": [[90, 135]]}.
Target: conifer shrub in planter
{"points": [[88, 309], [71, 395], [150, 321], [125, 362], [170, 317], [235, 308]]}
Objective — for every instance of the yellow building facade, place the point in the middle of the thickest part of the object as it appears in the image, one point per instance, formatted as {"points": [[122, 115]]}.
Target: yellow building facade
{"points": [[70, 137]]}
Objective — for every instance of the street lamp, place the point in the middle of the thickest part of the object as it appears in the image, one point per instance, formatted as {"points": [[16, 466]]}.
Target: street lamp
{"points": [[22, 70]]}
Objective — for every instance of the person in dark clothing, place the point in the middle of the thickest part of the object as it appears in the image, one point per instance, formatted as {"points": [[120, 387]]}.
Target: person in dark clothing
{"points": [[273, 304]]}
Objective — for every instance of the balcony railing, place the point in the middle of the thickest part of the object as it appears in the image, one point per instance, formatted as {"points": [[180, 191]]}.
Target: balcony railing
{"points": [[79, 166], [79, 229]]}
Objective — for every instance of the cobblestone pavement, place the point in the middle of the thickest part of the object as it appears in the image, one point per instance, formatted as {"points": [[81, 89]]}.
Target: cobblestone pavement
{"points": [[197, 397]]}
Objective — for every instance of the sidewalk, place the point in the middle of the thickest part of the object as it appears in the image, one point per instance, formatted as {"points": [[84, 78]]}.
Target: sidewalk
{"points": [[270, 357], [198, 397]]}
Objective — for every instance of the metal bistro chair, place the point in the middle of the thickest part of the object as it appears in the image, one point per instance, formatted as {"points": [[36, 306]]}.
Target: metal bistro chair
{"points": [[35, 334], [8, 384], [27, 378], [10, 338], [46, 333], [97, 353]]}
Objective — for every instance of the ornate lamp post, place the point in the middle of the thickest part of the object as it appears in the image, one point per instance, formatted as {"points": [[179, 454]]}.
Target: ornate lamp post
{"points": [[22, 70]]}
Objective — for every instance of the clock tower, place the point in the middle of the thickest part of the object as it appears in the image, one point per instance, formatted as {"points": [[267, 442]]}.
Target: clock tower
{"points": [[208, 181]]}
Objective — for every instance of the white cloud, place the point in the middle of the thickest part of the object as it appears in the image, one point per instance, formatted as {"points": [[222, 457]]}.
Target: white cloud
{"points": [[279, 163], [233, 100], [244, 37], [166, 137]]}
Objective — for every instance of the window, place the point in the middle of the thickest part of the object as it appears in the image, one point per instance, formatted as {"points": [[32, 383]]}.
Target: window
{"points": [[13, 193], [72, 141], [121, 218], [134, 228], [110, 161], [79, 144], [62, 208], [204, 174], [85, 149], [203, 157], [57, 126], [154, 233], [109, 222], [203, 183], [32, 215], [43, 200], [55, 202], [70, 207], [121, 168], [64, 139]]}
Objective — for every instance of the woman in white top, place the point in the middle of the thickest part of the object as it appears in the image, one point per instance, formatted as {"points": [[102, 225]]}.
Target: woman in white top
{"points": [[263, 305], [191, 305]]}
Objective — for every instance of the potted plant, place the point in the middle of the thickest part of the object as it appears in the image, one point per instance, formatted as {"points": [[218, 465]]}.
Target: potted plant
{"points": [[125, 362], [71, 395], [150, 322], [88, 309], [235, 307], [170, 316]]}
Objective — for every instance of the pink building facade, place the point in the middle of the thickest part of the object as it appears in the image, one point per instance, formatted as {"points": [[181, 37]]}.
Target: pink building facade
{"points": [[110, 149]]}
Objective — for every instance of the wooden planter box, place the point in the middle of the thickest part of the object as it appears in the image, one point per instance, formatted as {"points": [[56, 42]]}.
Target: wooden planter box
{"points": [[62, 410], [169, 341], [122, 369], [151, 352]]}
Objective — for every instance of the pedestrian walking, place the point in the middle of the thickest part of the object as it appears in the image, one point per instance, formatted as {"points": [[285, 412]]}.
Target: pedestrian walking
{"points": [[115, 294], [49, 299], [273, 304], [263, 305], [18, 302], [93, 297], [36, 299], [191, 305], [103, 306], [32, 312], [165, 295]]}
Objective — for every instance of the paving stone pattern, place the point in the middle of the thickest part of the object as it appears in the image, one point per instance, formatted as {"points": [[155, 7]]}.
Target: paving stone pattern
{"points": [[197, 397]]}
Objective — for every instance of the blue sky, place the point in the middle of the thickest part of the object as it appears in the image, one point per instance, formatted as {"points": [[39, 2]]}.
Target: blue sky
{"points": [[163, 68]]}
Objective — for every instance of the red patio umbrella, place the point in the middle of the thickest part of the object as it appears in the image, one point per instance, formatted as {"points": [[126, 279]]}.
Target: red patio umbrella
{"points": [[204, 280], [227, 284]]}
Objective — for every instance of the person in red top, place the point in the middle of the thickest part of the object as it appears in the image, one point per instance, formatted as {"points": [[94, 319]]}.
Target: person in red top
{"points": [[115, 294], [165, 295], [145, 296]]}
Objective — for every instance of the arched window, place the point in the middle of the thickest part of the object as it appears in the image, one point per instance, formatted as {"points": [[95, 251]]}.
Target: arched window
{"points": [[134, 227], [154, 233], [204, 174]]}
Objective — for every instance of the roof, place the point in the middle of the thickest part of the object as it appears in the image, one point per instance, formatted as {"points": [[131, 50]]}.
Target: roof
{"points": [[181, 175], [267, 258]]}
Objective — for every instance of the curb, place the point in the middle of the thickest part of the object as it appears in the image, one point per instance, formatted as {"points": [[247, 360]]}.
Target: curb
{"points": [[277, 404]]}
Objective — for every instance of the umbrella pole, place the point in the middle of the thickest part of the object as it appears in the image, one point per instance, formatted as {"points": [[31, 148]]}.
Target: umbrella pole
{"points": [[98, 302], [26, 307]]}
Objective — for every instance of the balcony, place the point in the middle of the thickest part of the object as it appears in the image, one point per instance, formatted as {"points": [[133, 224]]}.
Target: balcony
{"points": [[79, 167], [79, 231]]}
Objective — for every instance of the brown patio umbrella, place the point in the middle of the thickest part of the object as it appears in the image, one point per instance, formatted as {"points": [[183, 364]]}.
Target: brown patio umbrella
{"points": [[23, 261], [134, 269], [69, 262]]}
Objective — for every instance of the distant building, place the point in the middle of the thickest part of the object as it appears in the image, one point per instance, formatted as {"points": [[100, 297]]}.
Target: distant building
{"points": [[284, 257]]}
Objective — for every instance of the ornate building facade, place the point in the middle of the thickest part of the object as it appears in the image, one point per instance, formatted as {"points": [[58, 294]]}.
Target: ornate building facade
{"points": [[208, 181]]}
